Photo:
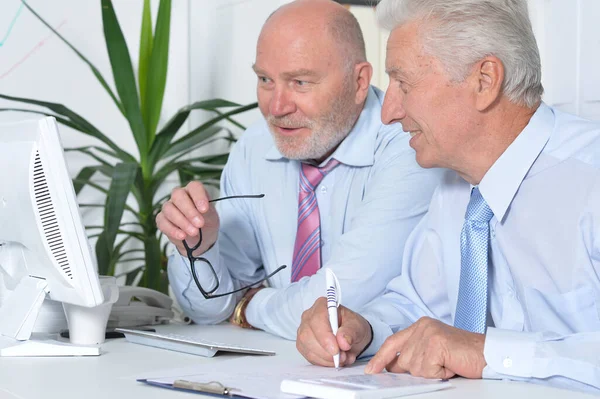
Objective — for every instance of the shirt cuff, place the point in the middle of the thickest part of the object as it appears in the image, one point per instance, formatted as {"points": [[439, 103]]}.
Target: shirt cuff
{"points": [[509, 353], [381, 331], [256, 304]]}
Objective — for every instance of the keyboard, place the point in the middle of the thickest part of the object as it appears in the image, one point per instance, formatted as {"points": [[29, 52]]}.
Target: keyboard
{"points": [[185, 344]]}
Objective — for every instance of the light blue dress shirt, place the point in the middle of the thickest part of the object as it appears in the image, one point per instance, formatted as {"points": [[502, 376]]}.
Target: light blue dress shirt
{"points": [[368, 206], [544, 279]]}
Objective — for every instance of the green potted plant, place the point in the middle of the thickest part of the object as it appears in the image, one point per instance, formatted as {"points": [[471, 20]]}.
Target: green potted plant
{"points": [[159, 156]]}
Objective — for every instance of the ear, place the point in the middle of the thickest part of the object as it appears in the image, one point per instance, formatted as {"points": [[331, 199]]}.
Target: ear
{"points": [[488, 76], [362, 78]]}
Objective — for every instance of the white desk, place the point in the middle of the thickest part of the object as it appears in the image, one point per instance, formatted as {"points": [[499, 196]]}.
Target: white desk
{"points": [[111, 375]]}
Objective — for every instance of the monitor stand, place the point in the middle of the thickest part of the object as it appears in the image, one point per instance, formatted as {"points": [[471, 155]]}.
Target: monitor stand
{"points": [[19, 313]]}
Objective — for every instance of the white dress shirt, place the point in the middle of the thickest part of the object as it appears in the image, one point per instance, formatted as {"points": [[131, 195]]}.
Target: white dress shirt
{"points": [[375, 197], [544, 277]]}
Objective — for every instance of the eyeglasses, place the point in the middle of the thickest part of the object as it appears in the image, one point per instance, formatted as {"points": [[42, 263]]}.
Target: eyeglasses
{"points": [[208, 294]]}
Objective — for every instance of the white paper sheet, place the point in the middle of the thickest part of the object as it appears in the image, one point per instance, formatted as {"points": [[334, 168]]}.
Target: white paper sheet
{"points": [[255, 378]]}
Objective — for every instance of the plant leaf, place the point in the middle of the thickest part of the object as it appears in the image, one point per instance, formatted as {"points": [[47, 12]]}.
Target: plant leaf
{"points": [[166, 134], [211, 160], [102, 254], [92, 67], [191, 140], [123, 75], [120, 186], [77, 122], [145, 53], [154, 276], [58, 118], [132, 275], [184, 177], [157, 69], [184, 142], [84, 175], [87, 151]]}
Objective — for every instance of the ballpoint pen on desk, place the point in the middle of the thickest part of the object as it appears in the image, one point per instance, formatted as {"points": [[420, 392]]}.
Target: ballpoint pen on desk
{"points": [[212, 387], [334, 297]]}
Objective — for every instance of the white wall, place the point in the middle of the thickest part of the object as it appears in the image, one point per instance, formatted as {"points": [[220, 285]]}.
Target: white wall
{"points": [[568, 36], [567, 32], [34, 63], [212, 49]]}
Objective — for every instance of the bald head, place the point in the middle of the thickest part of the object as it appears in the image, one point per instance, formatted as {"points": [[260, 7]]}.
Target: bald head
{"points": [[317, 18]]}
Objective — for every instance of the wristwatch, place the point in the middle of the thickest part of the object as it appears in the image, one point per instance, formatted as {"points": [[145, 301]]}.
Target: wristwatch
{"points": [[239, 313]]}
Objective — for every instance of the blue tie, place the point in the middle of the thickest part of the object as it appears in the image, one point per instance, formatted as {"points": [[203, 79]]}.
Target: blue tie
{"points": [[471, 310]]}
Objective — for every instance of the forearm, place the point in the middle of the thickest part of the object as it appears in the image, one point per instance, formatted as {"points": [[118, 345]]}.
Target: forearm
{"points": [[189, 297], [571, 361], [278, 311]]}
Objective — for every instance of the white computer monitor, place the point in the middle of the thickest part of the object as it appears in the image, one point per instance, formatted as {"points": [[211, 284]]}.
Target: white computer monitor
{"points": [[49, 254]]}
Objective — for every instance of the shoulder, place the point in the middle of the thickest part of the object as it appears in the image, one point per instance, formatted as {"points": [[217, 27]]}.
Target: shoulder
{"points": [[574, 139]]}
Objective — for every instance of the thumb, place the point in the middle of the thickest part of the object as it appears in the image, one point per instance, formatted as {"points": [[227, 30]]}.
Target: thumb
{"points": [[345, 337]]}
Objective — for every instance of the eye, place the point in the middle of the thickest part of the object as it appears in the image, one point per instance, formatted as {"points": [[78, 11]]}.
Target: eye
{"points": [[263, 79], [301, 83], [403, 86]]}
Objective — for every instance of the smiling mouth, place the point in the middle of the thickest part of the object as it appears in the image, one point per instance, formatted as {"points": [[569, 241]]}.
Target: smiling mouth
{"points": [[413, 134], [287, 130]]}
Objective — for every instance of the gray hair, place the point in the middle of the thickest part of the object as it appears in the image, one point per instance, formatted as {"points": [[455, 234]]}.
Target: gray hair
{"points": [[345, 30], [461, 32]]}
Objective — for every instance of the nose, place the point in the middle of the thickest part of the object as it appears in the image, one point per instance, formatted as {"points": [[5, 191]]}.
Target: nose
{"points": [[282, 102], [392, 109]]}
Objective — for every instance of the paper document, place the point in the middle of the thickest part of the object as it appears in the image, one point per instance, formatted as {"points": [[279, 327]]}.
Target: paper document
{"points": [[254, 377]]}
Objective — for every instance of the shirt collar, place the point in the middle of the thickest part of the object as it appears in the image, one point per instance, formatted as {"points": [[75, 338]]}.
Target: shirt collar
{"points": [[358, 148], [501, 182]]}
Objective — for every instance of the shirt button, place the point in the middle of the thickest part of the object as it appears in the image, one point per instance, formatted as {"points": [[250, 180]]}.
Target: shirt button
{"points": [[322, 242], [507, 362], [323, 189]]}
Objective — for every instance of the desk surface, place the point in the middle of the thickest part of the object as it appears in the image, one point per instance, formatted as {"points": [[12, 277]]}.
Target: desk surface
{"points": [[112, 375]]}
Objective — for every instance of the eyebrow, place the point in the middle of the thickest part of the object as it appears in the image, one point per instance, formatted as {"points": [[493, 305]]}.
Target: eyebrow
{"points": [[299, 72], [256, 69], [290, 74], [394, 71]]}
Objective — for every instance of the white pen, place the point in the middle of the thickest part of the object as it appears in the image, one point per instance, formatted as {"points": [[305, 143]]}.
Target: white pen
{"points": [[334, 297]]}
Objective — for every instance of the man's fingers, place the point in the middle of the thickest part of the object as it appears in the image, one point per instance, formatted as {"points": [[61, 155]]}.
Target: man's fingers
{"points": [[388, 352], [199, 196], [174, 215], [309, 347], [345, 338], [186, 206], [169, 229], [321, 328]]}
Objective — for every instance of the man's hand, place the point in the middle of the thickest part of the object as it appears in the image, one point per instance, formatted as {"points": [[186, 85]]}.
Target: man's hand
{"points": [[317, 343], [184, 213], [431, 349]]}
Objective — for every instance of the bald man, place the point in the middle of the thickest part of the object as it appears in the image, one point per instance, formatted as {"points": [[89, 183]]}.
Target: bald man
{"points": [[341, 190]]}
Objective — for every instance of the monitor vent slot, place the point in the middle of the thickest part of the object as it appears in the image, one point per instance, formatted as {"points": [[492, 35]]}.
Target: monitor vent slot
{"points": [[47, 215]]}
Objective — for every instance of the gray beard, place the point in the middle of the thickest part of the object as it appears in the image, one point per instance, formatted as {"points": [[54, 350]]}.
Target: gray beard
{"points": [[334, 128]]}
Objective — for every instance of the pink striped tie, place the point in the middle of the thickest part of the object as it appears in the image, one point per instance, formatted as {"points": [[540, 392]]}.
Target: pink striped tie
{"points": [[307, 250]]}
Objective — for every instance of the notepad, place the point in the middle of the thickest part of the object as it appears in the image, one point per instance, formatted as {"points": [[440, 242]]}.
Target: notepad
{"points": [[363, 386], [263, 377]]}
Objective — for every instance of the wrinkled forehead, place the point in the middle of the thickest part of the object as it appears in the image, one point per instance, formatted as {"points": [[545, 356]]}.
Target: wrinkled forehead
{"points": [[404, 50]]}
